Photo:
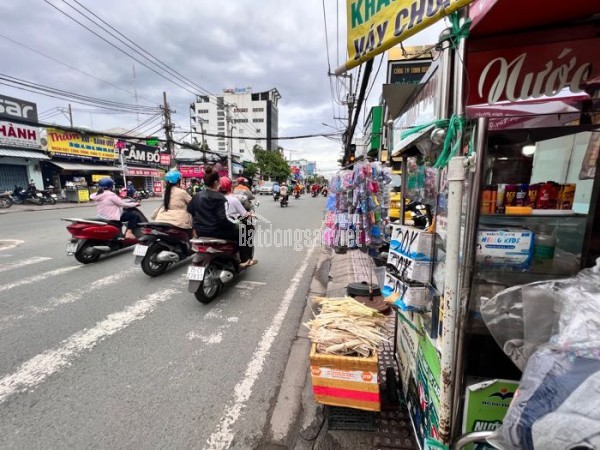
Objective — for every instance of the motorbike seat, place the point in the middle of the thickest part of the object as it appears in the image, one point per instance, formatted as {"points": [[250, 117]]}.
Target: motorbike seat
{"points": [[161, 225]]}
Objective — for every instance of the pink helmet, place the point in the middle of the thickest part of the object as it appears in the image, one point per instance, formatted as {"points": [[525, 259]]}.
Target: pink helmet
{"points": [[225, 184]]}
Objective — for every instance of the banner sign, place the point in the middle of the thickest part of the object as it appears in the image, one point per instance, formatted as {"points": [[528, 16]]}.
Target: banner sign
{"points": [[165, 159], [374, 26], [139, 153], [533, 72], [191, 171], [134, 172], [407, 72], [66, 143], [22, 136], [13, 107]]}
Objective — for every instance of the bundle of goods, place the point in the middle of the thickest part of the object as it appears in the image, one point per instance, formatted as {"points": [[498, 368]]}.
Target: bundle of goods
{"points": [[514, 198], [347, 327], [356, 207]]}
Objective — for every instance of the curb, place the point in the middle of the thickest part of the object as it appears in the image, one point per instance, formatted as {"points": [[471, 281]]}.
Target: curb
{"points": [[60, 205], [287, 410]]}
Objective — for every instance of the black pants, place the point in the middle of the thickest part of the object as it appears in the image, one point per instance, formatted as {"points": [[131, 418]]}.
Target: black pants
{"points": [[131, 218], [247, 251]]}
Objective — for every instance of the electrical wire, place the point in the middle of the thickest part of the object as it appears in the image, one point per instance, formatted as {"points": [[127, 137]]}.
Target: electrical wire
{"points": [[326, 39]]}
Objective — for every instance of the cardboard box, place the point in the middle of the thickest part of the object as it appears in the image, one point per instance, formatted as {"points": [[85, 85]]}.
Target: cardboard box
{"points": [[412, 242], [410, 296], [507, 247], [346, 381], [410, 269], [486, 403]]}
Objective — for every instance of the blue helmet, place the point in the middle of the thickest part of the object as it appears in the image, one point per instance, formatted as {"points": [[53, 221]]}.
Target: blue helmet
{"points": [[106, 183], [173, 176]]}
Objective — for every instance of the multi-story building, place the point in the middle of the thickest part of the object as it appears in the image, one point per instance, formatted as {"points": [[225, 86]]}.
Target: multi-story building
{"points": [[250, 117]]}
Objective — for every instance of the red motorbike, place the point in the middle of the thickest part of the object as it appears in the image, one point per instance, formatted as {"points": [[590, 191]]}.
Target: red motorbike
{"points": [[92, 238], [161, 245], [215, 264]]}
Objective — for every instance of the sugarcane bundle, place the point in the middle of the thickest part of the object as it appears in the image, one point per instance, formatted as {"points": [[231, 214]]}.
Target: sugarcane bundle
{"points": [[346, 327]]}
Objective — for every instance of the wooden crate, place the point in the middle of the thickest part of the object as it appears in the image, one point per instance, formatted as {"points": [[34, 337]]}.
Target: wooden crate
{"points": [[346, 381]]}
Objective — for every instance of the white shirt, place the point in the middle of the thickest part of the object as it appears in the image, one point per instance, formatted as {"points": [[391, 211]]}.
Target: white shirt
{"points": [[235, 209]]}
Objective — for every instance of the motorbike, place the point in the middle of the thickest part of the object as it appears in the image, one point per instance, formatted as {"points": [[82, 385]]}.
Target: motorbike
{"points": [[296, 195], [160, 246], [215, 263], [324, 192], [92, 238], [276, 196], [284, 200], [314, 194], [6, 200], [20, 196], [141, 194], [48, 196]]}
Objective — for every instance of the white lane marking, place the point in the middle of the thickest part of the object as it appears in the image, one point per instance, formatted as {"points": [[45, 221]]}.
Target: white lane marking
{"points": [[25, 262], [7, 244], [223, 437], [233, 319], [37, 278], [211, 339], [33, 372]]}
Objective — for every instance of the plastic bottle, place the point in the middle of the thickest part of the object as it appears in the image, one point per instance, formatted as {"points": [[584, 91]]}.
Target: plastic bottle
{"points": [[543, 247]]}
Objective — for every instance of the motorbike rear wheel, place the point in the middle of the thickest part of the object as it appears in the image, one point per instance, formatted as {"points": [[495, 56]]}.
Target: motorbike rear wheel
{"points": [[210, 285], [86, 257], [150, 265], [51, 201]]}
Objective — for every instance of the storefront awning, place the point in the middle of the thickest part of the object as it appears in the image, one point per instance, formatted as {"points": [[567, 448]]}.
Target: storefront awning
{"points": [[396, 97], [76, 167], [18, 153]]}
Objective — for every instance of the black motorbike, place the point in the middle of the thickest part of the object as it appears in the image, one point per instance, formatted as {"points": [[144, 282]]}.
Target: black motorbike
{"points": [[48, 196], [161, 245], [20, 196], [276, 196], [284, 200]]}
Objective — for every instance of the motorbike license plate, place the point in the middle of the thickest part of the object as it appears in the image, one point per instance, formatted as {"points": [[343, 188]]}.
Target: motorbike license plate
{"points": [[195, 273], [140, 250], [71, 248]]}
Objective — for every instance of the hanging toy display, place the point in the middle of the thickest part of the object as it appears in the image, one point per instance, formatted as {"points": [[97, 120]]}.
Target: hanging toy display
{"points": [[357, 206]]}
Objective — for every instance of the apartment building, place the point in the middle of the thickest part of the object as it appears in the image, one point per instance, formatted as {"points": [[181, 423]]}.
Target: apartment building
{"points": [[250, 117]]}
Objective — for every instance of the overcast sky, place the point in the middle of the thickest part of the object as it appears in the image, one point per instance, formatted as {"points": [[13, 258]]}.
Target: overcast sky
{"points": [[217, 44]]}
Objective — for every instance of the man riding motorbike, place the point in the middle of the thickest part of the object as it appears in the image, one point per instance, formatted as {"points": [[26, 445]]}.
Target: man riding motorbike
{"points": [[209, 211], [175, 203], [130, 189], [109, 206], [283, 191], [236, 211]]}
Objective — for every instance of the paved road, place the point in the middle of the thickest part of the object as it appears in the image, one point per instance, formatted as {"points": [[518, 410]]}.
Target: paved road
{"points": [[103, 356]]}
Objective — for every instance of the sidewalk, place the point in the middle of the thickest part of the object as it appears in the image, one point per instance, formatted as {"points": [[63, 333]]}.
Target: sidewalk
{"points": [[61, 204], [297, 421]]}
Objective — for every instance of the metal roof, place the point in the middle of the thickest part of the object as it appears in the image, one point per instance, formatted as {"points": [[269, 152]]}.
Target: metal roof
{"points": [[19, 153]]}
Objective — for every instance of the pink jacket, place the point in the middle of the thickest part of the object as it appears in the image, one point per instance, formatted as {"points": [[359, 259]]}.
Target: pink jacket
{"points": [[109, 205]]}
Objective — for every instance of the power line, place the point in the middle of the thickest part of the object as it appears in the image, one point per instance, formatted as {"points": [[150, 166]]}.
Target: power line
{"points": [[326, 39]]}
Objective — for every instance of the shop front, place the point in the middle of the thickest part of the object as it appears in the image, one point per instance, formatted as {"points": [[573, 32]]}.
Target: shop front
{"points": [[142, 165]]}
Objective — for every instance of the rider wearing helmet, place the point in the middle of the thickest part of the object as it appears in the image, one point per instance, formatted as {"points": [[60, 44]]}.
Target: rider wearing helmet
{"points": [[130, 189], [175, 202], [109, 206]]}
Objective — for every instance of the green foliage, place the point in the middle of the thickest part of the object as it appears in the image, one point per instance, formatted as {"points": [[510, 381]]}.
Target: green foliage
{"points": [[271, 163], [250, 169]]}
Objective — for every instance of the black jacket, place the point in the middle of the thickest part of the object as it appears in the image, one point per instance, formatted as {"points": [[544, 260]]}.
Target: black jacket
{"points": [[208, 210]]}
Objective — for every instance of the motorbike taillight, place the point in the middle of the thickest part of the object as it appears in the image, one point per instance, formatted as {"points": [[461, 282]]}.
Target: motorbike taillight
{"points": [[146, 230]]}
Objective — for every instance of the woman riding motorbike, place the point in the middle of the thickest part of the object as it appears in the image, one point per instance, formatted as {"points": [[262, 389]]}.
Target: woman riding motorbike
{"points": [[109, 206], [175, 203], [209, 211], [237, 211]]}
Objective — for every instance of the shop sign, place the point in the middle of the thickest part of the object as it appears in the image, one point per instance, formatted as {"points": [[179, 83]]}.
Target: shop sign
{"points": [[11, 108], [139, 153], [97, 177], [407, 72], [15, 135], [375, 26], [165, 159], [66, 143], [191, 171], [143, 172], [157, 186], [538, 71]]}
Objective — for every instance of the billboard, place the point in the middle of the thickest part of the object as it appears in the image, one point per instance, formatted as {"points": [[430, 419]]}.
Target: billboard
{"points": [[69, 144], [15, 108], [21, 136]]}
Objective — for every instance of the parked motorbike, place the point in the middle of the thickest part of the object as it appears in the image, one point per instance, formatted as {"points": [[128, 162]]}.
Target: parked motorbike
{"points": [[142, 194], [161, 245], [48, 196], [92, 238], [6, 200], [284, 200], [215, 263], [20, 196]]}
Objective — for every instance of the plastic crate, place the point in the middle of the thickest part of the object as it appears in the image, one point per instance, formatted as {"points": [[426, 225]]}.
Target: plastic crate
{"points": [[350, 419]]}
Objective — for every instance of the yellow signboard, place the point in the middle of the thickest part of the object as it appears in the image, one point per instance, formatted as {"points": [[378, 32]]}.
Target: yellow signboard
{"points": [[97, 177], [375, 26], [66, 143]]}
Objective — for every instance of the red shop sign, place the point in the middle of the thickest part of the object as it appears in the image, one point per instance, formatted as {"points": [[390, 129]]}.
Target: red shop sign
{"points": [[157, 187], [165, 159], [191, 171], [537, 71]]}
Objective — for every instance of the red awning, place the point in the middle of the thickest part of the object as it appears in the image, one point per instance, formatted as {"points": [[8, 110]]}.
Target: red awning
{"points": [[505, 16]]}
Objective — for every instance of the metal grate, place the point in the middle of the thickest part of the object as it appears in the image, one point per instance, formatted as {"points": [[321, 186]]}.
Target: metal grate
{"points": [[339, 418]]}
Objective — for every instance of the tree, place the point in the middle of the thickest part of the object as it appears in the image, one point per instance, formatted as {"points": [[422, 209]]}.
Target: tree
{"points": [[250, 169], [271, 164]]}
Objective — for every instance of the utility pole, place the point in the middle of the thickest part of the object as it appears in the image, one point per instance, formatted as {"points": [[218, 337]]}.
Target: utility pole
{"points": [[230, 141], [168, 126], [70, 116]]}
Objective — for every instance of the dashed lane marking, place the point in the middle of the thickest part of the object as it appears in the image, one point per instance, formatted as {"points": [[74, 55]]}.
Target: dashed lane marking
{"points": [[23, 263], [37, 278]]}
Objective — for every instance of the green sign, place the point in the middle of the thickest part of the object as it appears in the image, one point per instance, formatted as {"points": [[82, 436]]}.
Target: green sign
{"points": [[486, 404], [152, 141]]}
